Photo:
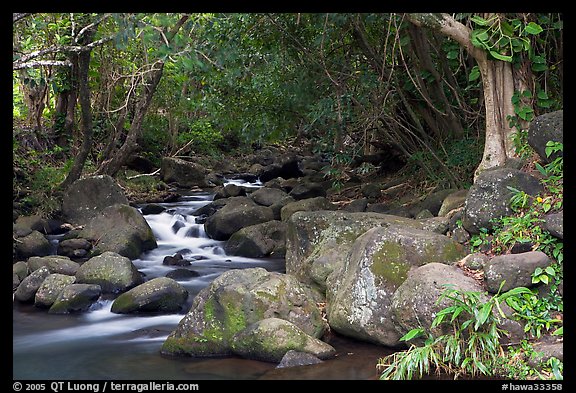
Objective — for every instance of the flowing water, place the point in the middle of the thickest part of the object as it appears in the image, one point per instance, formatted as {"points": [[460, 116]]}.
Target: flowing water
{"points": [[98, 344]]}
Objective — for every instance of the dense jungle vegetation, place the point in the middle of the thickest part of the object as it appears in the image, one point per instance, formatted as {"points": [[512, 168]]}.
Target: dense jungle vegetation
{"points": [[448, 95]]}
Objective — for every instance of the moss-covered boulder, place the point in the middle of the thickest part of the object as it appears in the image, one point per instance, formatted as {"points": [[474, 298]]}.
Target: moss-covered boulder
{"points": [[50, 289], [114, 273], [359, 294], [160, 294], [318, 242], [121, 229], [269, 340], [237, 299], [75, 298]]}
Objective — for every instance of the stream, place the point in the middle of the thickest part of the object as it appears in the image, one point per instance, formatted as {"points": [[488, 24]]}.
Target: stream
{"points": [[100, 345]]}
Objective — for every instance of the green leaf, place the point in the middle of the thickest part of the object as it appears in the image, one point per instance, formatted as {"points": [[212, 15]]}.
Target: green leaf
{"points": [[453, 54], [499, 56], [412, 334], [538, 271], [533, 28], [539, 67], [485, 312], [479, 20], [542, 95], [550, 271], [559, 331], [542, 170], [474, 74]]}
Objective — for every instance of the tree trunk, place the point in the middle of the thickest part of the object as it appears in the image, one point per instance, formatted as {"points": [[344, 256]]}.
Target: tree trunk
{"points": [[86, 116], [112, 165], [499, 82]]}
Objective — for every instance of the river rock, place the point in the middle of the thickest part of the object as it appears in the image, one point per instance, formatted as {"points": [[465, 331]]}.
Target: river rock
{"points": [[74, 248], [260, 240], [183, 173], [161, 294], [307, 191], [33, 223], [489, 197], [414, 304], [269, 340], [54, 263], [75, 298], [33, 244], [515, 269], [114, 273], [231, 218], [309, 204], [121, 229], [360, 292], [545, 128], [267, 196], [237, 299], [86, 198], [318, 242], [554, 223], [50, 289], [20, 268], [27, 289], [452, 201], [294, 358]]}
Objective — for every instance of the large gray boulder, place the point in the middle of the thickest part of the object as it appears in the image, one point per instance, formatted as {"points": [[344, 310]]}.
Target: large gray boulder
{"points": [[183, 173], [29, 285], [233, 217], [75, 298], [415, 303], [309, 204], [360, 292], [114, 273], [121, 229], [267, 196], [554, 223], [489, 197], [54, 264], [33, 244], [85, 198], [544, 128], [237, 299], [318, 242], [260, 240], [514, 269], [50, 288], [161, 294], [271, 338], [453, 201]]}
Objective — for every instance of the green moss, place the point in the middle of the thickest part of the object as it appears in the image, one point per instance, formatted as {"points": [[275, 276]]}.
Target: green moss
{"points": [[448, 252], [123, 303], [388, 263]]}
